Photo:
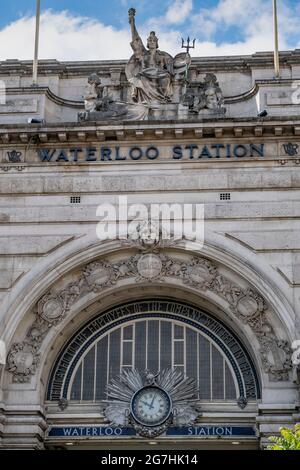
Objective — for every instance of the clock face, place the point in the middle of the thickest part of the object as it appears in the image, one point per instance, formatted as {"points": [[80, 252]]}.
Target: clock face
{"points": [[151, 406]]}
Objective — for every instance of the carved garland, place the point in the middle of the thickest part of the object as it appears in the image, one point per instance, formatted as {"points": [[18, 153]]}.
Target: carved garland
{"points": [[150, 266]]}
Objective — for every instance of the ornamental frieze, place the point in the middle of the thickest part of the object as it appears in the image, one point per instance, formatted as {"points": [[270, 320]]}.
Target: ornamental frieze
{"points": [[22, 361], [151, 264]]}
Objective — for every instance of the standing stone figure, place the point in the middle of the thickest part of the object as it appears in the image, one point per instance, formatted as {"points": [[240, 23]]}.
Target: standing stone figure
{"points": [[151, 72]]}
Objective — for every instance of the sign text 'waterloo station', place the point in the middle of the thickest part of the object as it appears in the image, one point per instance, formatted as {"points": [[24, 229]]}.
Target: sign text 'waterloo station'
{"points": [[178, 152]]}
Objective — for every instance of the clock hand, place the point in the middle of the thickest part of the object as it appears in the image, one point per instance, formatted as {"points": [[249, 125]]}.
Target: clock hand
{"points": [[146, 403], [153, 399]]}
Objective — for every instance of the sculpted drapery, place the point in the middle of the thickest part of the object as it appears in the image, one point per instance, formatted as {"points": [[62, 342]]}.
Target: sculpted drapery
{"points": [[151, 72]]}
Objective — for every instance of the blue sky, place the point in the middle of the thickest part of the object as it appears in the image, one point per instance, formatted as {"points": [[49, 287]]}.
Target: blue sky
{"points": [[220, 26]]}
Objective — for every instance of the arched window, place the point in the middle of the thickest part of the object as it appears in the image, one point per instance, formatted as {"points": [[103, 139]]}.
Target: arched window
{"points": [[154, 345], [154, 335]]}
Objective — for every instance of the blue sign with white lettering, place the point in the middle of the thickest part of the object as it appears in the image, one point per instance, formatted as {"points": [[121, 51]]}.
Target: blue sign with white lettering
{"points": [[189, 431], [90, 431], [212, 431]]}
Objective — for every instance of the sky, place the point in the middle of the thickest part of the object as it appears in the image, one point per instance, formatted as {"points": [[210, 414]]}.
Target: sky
{"points": [[99, 29]]}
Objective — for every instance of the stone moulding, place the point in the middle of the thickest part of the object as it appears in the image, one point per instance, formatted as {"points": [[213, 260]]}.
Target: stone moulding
{"points": [[153, 265], [48, 93], [245, 96], [48, 135]]}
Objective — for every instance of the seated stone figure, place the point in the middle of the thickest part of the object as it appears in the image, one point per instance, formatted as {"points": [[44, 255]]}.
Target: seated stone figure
{"points": [[206, 95], [98, 104], [151, 72], [212, 92], [94, 99]]}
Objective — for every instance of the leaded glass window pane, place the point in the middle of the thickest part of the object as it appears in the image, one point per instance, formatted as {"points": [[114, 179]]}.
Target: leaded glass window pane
{"points": [[140, 345], [230, 387], [128, 332], [165, 345], [204, 369], [127, 354], [217, 375], [114, 353], [101, 370], [153, 342], [76, 387], [89, 375]]}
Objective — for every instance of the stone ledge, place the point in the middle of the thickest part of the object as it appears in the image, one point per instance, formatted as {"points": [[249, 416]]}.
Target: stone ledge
{"points": [[214, 129]]}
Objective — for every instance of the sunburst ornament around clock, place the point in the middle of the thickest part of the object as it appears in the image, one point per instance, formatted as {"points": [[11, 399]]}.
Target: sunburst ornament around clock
{"points": [[151, 403]]}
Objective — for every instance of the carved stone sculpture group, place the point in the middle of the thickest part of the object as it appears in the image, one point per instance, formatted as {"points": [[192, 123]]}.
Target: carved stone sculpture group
{"points": [[159, 87]]}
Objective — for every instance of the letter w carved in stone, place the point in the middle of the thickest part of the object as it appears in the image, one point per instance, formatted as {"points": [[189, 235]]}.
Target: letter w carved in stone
{"points": [[46, 155]]}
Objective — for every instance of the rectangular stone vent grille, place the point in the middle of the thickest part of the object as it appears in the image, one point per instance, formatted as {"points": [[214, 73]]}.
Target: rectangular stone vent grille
{"points": [[225, 197], [75, 199]]}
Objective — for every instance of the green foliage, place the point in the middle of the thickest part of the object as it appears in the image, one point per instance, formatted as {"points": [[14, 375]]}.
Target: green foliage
{"points": [[289, 440]]}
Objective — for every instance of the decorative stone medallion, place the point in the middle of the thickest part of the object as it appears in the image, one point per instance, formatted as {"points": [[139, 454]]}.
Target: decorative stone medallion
{"points": [[198, 274], [98, 274], [22, 361], [149, 266], [51, 308], [247, 306]]}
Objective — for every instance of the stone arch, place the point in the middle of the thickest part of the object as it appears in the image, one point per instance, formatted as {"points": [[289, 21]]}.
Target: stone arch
{"points": [[177, 265], [84, 250]]}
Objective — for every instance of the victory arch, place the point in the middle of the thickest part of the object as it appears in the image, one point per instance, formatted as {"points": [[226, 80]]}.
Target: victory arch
{"points": [[132, 343]]}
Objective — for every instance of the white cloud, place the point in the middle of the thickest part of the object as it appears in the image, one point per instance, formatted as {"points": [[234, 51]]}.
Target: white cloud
{"points": [[68, 37], [179, 11], [64, 37], [253, 19]]}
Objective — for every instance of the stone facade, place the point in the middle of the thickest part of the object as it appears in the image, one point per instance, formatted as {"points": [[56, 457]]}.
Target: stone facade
{"points": [[55, 274]]}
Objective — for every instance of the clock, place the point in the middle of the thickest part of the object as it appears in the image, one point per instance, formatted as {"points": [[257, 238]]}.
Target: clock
{"points": [[151, 406]]}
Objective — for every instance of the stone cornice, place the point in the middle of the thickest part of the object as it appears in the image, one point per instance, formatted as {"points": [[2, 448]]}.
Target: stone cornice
{"points": [[281, 128]]}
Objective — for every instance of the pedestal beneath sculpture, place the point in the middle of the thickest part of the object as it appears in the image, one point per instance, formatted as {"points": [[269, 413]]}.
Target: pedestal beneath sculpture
{"points": [[163, 111]]}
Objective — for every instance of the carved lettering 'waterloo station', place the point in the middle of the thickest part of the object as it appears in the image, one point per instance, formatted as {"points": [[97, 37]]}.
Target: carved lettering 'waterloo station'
{"points": [[147, 336], [178, 152]]}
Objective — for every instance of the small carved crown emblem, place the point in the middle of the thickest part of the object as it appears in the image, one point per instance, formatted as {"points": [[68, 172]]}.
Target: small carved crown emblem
{"points": [[14, 156], [291, 149]]}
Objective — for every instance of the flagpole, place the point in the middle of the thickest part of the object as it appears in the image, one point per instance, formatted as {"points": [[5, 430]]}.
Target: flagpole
{"points": [[36, 45], [276, 42]]}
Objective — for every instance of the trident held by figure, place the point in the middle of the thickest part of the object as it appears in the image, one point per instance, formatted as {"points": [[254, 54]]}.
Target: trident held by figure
{"points": [[188, 46]]}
